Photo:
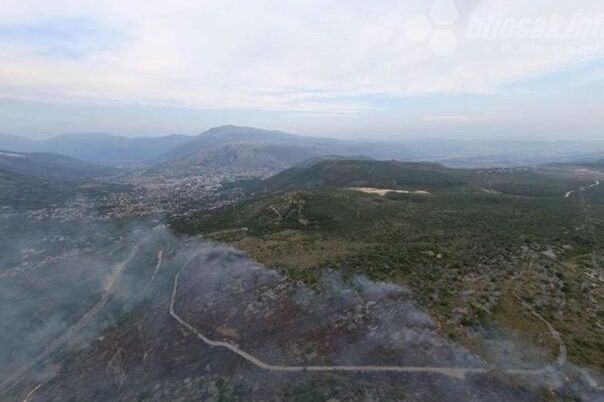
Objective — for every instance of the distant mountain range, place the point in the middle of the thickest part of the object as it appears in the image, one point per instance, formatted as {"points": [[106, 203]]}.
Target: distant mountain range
{"points": [[50, 166], [246, 148], [597, 164], [42, 179], [237, 148], [98, 148]]}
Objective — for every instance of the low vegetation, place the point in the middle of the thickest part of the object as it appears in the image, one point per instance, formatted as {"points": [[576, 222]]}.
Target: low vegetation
{"points": [[481, 261]]}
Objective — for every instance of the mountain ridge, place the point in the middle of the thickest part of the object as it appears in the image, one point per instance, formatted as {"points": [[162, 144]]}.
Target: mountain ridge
{"points": [[44, 165], [243, 147]]}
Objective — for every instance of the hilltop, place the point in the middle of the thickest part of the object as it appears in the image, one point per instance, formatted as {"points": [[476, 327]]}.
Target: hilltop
{"points": [[364, 173], [233, 148]]}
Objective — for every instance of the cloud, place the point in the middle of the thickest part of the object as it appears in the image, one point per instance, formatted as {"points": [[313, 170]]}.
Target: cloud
{"points": [[310, 56]]}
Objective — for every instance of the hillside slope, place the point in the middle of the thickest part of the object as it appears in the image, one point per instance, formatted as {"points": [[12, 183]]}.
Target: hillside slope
{"points": [[112, 150], [233, 148], [23, 192], [46, 165], [475, 256], [98, 148], [365, 173]]}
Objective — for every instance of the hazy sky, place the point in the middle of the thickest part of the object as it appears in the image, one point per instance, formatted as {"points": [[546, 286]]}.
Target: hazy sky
{"points": [[348, 68]]}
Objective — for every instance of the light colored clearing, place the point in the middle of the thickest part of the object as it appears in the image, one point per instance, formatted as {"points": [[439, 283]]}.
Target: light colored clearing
{"points": [[550, 253], [491, 191], [11, 155], [383, 191]]}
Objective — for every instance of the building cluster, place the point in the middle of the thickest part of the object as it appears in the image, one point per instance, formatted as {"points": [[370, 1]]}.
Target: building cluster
{"points": [[159, 195]]}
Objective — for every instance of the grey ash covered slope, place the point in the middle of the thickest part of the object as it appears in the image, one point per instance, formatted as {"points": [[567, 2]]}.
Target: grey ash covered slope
{"points": [[149, 356]]}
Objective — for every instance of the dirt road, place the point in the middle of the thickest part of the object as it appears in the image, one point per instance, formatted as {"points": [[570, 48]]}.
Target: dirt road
{"points": [[595, 184], [160, 255], [454, 372], [108, 286], [562, 354]]}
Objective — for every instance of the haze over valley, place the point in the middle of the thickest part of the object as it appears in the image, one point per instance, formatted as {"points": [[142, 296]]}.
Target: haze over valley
{"points": [[319, 201]]}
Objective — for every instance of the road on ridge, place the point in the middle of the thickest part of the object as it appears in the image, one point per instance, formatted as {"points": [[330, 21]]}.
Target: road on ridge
{"points": [[454, 372]]}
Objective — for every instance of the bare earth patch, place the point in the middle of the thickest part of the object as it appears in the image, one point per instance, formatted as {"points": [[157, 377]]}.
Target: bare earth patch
{"points": [[383, 191]]}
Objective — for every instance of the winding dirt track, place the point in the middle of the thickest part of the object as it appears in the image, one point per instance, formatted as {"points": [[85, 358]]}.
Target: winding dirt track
{"points": [[31, 393], [112, 279], [562, 354], [596, 184], [160, 255], [454, 372]]}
